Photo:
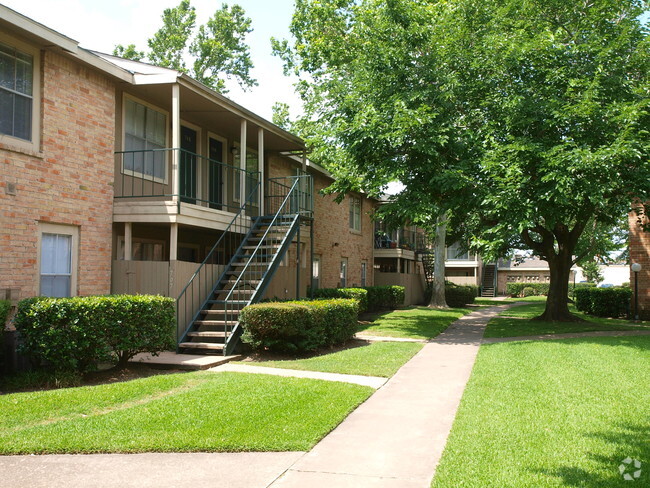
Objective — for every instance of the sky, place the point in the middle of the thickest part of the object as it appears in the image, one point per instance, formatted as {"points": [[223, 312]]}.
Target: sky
{"points": [[100, 24]]}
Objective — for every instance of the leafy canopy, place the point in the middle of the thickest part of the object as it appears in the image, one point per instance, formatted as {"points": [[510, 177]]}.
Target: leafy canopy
{"points": [[217, 48]]}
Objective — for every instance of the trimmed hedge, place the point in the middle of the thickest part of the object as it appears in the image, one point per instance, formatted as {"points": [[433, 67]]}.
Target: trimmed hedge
{"points": [[299, 326], [455, 295], [380, 297], [359, 294], [604, 302], [572, 288], [517, 289], [371, 298], [79, 332]]}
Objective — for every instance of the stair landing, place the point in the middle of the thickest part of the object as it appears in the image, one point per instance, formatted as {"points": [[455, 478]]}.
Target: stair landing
{"points": [[168, 359]]}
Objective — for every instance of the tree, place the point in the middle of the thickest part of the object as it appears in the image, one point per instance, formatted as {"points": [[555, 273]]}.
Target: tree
{"points": [[591, 270], [217, 49], [528, 119]]}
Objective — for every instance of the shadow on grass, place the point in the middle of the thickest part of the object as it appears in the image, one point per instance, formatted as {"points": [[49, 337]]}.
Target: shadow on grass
{"points": [[639, 343], [417, 322], [627, 440]]}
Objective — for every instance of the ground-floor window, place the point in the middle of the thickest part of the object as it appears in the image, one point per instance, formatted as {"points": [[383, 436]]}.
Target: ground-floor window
{"points": [[57, 260], [364, 267], [343, 276]]}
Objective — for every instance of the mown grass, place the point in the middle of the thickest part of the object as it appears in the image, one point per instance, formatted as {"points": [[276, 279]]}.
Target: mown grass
{"points": [[560, 413], [178, 412], [413, 323], [515, 322], [375, 359]]}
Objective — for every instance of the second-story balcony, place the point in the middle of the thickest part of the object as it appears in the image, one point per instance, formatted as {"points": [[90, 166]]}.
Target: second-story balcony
{"points": [[175, 185]]}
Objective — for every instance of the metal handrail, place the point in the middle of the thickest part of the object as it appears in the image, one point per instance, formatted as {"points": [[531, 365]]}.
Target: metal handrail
{"points": [[231, 229]]}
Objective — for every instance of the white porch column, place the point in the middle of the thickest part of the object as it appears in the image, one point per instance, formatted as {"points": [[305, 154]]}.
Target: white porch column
{"points": [[176, 141], [173, 242], [260, 166], [242, 162], [128, 241]]}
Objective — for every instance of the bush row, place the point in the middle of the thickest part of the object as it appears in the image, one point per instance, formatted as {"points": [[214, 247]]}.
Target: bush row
{"points": [[370, 298], [527, 289], [455, 295], [299, 326], [77, 333], [603, 302]]}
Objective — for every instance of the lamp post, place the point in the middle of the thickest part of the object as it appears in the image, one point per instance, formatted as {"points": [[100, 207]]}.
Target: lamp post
{"points": [[636, 267]]}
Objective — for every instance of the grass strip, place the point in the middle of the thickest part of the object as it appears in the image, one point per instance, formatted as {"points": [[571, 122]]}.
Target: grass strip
{"points": [[200, 411], [375, 359], [552, 414], [413, 323]]}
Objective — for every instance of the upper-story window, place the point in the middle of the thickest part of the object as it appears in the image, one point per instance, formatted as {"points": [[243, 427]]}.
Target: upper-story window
{"points": [[145, 133], [16, 92], [355, 213]]}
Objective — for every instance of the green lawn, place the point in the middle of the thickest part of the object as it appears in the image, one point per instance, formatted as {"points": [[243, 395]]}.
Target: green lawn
{"points": [[201, 411], [560, 413], [375, 359], [413, 323], [492, 301], [515, 322]]}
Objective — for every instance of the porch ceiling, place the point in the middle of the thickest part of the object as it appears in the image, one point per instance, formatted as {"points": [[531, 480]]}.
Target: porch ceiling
{"points": [[218, 117]]}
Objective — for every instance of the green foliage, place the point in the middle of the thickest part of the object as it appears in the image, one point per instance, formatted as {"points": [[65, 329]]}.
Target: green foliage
{"points": [[527, 120], [385, 297], [358, 294], [604, 302], [74, 334], [573, 288], [534, 289], [592, 271], [299, 326], [218, 47], [459, 295], [5, 307]]}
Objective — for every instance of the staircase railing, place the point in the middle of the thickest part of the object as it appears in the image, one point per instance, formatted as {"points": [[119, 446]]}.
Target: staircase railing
{"points": [[258, 268], [191, 299]]}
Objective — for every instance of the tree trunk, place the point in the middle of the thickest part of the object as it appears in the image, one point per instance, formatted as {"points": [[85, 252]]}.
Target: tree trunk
{"points": [[438, 299], [557, 302]]}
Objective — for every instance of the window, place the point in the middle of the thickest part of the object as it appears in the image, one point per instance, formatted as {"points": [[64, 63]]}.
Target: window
{"points": [[343, 276], [144, 137], [17, 90], [364, 266], [355, 213], [143, 249], [251, 176], [455, 253], [57, 260]]}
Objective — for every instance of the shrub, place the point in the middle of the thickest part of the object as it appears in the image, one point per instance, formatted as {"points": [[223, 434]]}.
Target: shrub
{"points": [[77, 333], [5, 307], [359, 294], [574, 287], [528, 291], [299, 326], [603, 302], [380, 297], [459, 295]]}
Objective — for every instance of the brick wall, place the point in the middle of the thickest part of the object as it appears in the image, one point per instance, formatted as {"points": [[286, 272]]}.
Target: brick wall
{"points": [[640, 253], [68, 182], [333, 238]]}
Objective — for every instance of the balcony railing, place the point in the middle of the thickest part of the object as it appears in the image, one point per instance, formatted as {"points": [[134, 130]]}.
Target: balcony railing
{"points": [[413, 240], [202, 181]]}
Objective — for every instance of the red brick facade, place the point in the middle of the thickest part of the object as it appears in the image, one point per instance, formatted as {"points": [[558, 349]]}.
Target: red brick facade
{"points": [[640, 253], [69, 181]]}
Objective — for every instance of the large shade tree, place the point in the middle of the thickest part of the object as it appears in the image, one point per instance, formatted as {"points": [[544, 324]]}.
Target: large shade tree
{"points": [[529, 119], [217, 49]]}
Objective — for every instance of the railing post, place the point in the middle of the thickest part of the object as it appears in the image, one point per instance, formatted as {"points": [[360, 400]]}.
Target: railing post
{"points": [[260, 167], [176, 140]]}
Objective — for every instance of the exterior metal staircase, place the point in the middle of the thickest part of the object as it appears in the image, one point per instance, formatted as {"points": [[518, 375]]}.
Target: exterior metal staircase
{"points": [[214, 327], [488, 282]]}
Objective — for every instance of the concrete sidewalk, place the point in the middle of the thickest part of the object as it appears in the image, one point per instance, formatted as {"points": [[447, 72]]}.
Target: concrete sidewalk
{"points": [[395, 439]]}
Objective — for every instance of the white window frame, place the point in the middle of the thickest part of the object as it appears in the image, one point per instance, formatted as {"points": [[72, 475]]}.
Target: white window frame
{"points": [[22, 145], [354, 215], [60, 229], [138, 174]]}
